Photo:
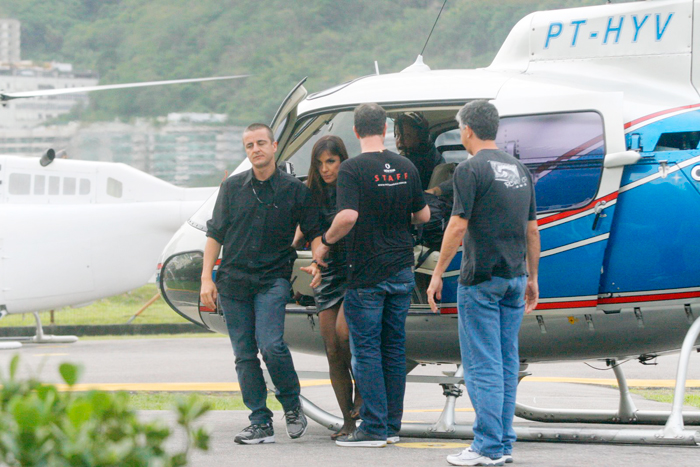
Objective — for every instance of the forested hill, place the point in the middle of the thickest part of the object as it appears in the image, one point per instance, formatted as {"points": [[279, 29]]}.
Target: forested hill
{"points": [[277, 41]]}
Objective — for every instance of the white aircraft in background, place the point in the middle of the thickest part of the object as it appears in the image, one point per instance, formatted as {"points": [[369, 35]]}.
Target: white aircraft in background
{"points": [[73, 231]]}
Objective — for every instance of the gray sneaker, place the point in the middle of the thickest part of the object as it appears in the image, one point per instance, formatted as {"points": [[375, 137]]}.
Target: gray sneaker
{"points": [[358, 439], [256, 434], [296, 423]]}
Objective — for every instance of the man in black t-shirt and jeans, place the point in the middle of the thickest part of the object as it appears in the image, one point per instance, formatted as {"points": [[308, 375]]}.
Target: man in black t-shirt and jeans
{"points": [[494, 216], [379, 196]]}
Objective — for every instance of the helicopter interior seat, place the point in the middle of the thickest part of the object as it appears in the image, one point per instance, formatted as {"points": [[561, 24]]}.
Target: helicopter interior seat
{"points": [[441, 173]]}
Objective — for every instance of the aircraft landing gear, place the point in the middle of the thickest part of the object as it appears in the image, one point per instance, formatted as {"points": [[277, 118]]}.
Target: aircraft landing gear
{"points": [[673, 432], [39, 338]]}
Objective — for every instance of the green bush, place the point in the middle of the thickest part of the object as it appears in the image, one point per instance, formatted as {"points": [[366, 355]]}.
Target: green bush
{"points": [[40, 426]]}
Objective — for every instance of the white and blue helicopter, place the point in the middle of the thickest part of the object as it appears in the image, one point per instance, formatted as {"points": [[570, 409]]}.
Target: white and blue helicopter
{"points": [[602, 104]]}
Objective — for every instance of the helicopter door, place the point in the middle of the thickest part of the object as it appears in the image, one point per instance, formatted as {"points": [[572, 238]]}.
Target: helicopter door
{"points": [[286, 116], [574, 147]]}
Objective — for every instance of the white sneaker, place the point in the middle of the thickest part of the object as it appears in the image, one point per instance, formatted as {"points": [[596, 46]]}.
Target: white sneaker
{"points": [[469, 457], [508, 458], [392, 439]]}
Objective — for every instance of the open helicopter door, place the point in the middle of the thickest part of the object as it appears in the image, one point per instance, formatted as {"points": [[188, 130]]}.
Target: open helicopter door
{"points": [[574, 145], [286, 116]]}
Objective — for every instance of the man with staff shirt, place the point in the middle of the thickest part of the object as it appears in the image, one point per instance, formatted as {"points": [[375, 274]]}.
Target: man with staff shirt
{"points": [[379, 195]]}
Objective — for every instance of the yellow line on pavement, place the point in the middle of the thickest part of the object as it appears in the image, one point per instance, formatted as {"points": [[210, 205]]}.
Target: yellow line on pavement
{"points": [[235, 387], [173, 387], [633, 383]]}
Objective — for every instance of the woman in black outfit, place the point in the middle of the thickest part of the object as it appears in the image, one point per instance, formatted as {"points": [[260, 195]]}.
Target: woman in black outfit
{"points": [[326, 157]]}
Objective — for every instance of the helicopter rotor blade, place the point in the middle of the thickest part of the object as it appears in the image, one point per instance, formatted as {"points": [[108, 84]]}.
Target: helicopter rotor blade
{"points": [[57, 92]]}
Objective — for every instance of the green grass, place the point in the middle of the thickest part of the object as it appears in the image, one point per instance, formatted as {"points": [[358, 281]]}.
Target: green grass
{"points": [[112, 310], [219, 400], [692, 397]]}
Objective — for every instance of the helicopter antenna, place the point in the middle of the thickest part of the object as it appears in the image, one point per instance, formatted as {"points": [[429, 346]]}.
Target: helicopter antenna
{"points": [[435, 24]]}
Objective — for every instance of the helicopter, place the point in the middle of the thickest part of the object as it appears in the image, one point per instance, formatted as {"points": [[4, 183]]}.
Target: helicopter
{"points": [[74, 231], [602, 105]]}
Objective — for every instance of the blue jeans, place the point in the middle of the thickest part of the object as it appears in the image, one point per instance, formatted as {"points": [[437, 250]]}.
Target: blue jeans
{"points": [[256, 321], [490, 314], [376, 318]]}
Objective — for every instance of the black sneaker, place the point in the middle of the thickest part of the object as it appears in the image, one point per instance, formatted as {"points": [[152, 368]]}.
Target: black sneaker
{"points": [[296, 423], [359, 439], [256, 434]]}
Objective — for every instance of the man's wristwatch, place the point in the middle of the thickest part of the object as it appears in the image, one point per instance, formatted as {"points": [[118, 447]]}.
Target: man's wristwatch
{"points": [[324, 241]]}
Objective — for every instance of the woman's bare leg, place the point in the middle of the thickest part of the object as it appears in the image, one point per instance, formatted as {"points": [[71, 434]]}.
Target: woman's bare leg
{"points": [[343, 336], [338, 366]]}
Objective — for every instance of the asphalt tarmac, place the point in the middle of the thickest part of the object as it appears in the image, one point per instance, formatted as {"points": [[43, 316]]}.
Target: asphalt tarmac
{"points": [[206, 364]]}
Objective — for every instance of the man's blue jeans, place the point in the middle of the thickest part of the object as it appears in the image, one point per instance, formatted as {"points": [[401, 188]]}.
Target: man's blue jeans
{"points": [[490, 314], [256, 321], [376, 317]]}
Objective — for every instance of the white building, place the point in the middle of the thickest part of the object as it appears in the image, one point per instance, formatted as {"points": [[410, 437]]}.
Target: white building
{"points": [[9, 40]]}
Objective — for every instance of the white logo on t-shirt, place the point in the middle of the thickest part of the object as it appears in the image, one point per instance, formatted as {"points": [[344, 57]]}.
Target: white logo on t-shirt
{"points": [[508, 174], [388, 169]]}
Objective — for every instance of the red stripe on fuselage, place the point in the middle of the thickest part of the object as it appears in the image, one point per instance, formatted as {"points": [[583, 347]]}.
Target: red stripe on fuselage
{"points": [[658, 114], [612, 300], [565, 214], [649, 298]]}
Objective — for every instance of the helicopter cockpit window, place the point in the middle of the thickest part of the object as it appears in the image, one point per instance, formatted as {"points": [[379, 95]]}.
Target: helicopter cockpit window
{"points": [[339, 125], [679, 141]]}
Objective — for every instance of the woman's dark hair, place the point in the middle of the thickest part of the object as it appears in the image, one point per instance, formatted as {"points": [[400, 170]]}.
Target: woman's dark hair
{"points": [[333, 145]]}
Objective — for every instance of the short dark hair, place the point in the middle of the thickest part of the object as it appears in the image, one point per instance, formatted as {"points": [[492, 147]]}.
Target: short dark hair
{"points": [[260, 126], [370, 120], [482, 117]]}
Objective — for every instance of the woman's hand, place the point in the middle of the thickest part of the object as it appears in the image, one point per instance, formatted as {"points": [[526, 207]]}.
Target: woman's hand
{"points": [[315, 271]]}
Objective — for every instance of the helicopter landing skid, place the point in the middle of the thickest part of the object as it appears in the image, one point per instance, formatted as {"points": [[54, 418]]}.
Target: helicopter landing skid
{"points": [[39, 338], [673, 433]]}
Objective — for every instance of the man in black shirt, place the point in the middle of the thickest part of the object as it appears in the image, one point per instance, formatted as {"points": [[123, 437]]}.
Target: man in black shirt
{"points": [[255, 217], [379, 196], [494, 216]]}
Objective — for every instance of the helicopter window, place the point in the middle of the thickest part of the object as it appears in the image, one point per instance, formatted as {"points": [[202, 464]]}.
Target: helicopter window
{"points": [[564, 153], [84, 186], [39, 185], [340, 125], [54, 185], [20, 184], [69, 186], [114, 188], [680, 141]]}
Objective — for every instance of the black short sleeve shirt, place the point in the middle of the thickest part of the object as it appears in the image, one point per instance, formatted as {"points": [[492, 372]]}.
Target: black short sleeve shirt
{"points": [[385, 189], [494, 191]]}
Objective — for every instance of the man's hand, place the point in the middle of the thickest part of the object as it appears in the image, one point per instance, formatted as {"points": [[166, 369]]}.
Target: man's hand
{"points": [[532, 295], [319, 253], [208, 294], [315, 271], [435, 291]]}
